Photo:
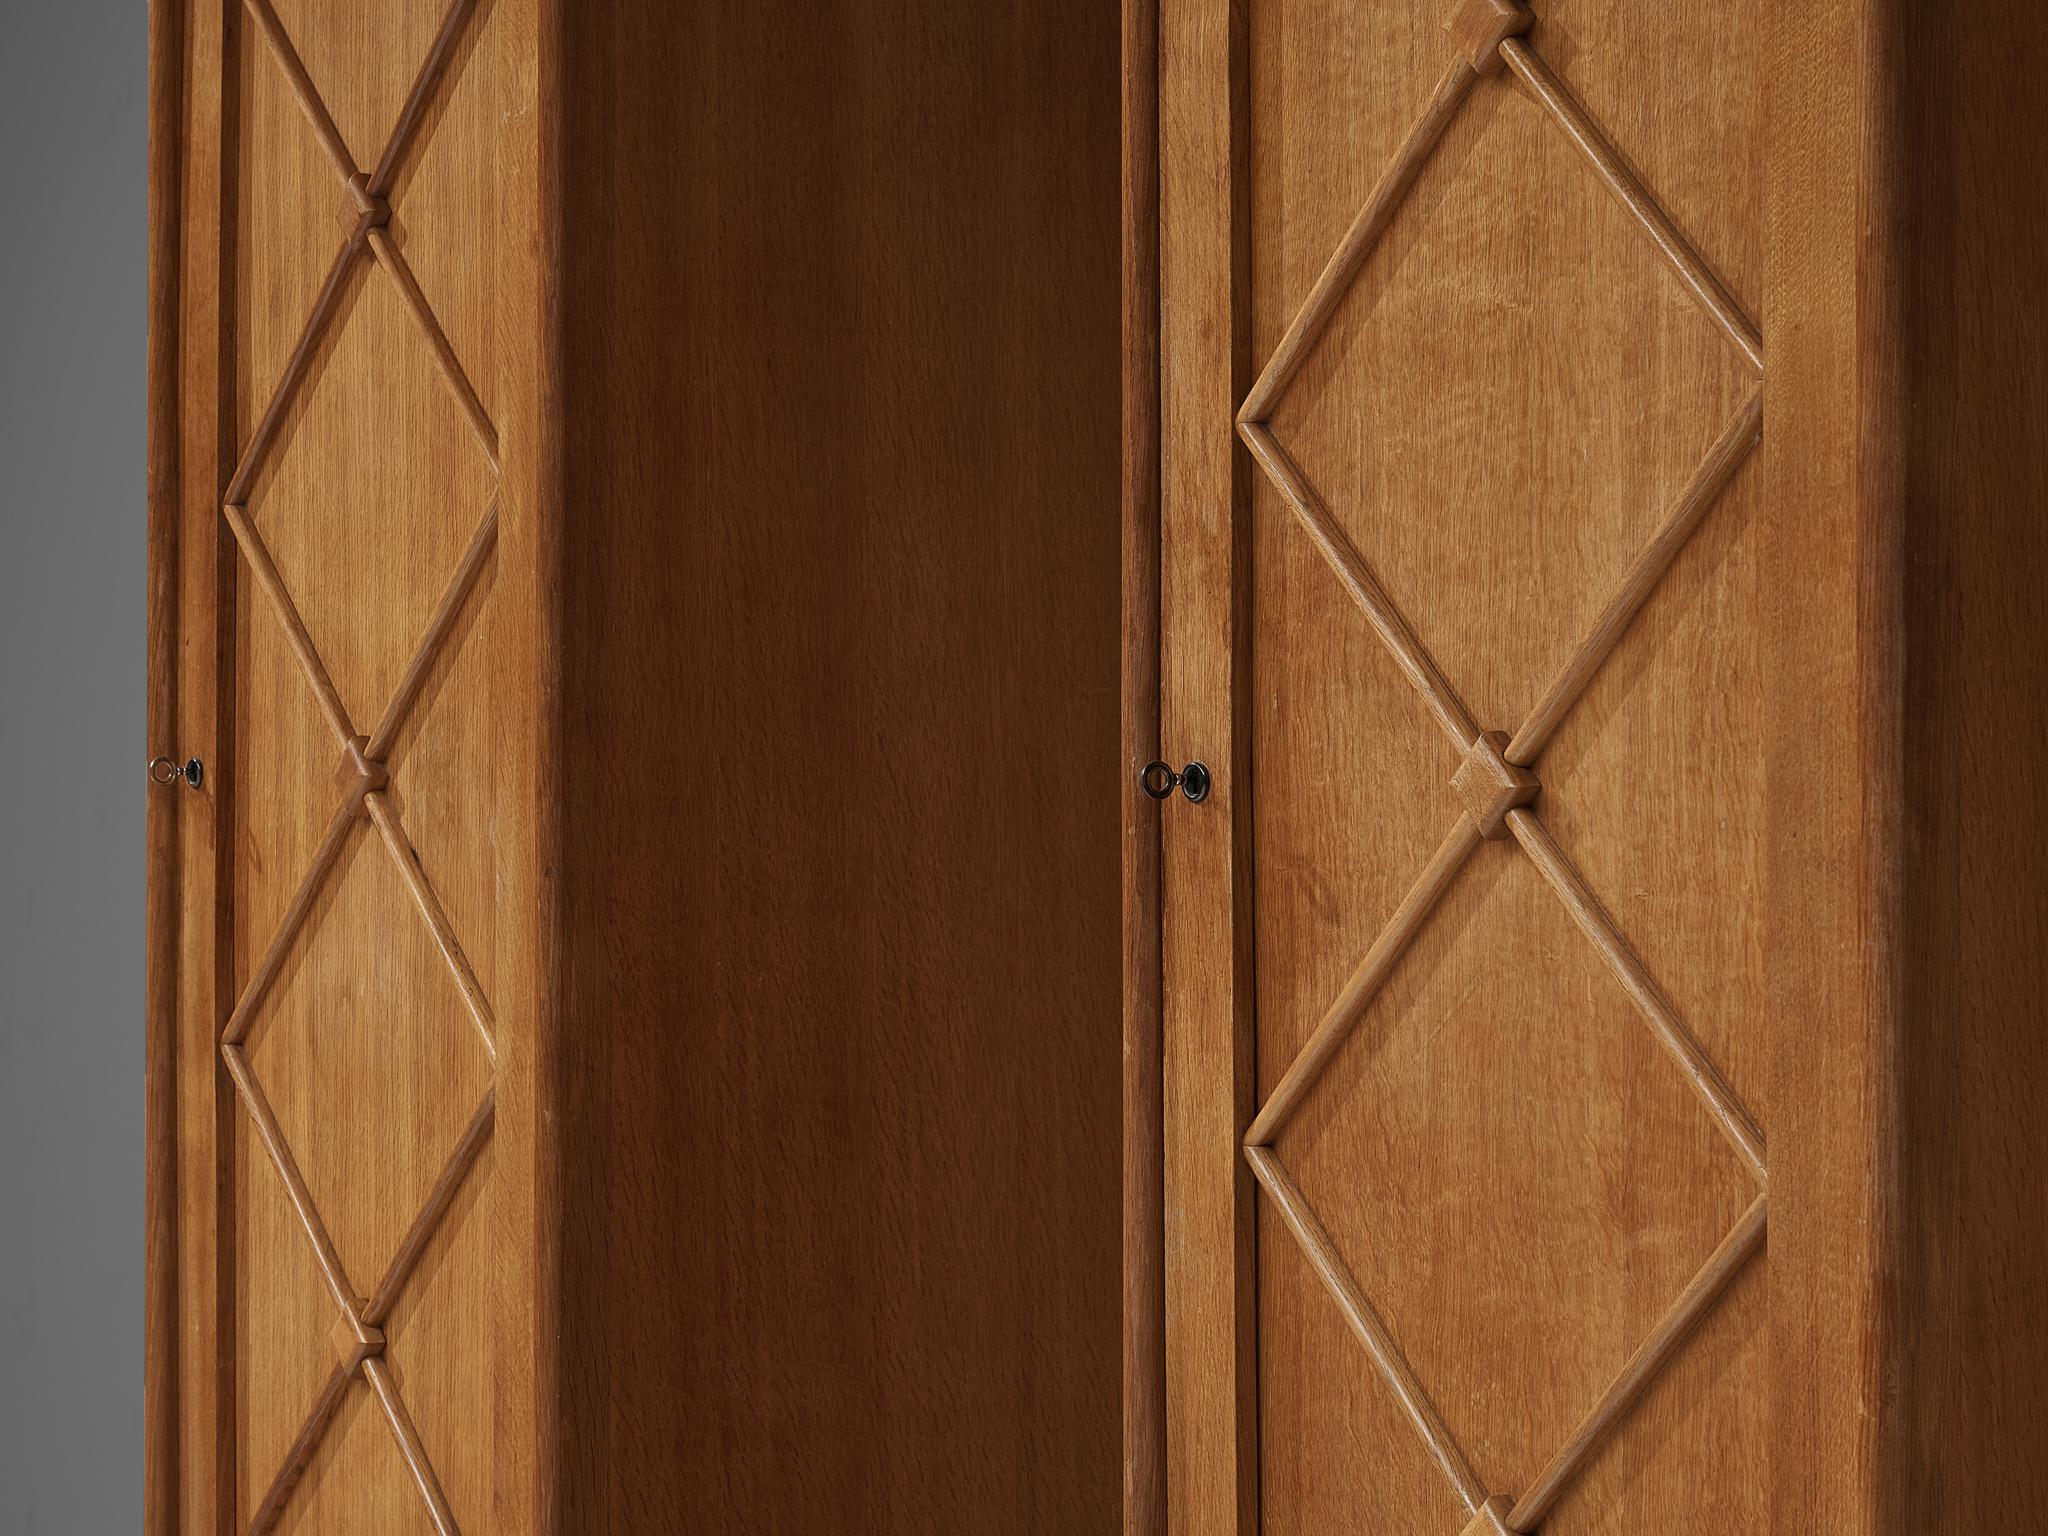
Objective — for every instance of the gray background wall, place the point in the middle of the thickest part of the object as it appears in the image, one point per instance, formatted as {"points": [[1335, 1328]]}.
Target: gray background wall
{"points": [[73, 116]]}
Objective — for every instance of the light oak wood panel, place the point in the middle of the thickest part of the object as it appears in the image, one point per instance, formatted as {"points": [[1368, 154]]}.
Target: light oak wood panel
{"points": [[1679, 853], [434, 758], [358, 1477], [1514, 1175], [362, 61], [368, 1058], [1206, 1035], [280, 1349], [1491, 423], [452, 223], [440, 1337], [402, 482], [1508, 398], [361, 1040], [1832, 836]]}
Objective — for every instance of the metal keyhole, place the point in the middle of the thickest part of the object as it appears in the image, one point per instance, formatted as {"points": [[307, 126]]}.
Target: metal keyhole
{"points": [[1159, 781], [163, 771]]}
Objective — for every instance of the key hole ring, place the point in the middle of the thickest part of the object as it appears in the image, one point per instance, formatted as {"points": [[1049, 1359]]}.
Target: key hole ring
{"points": [[1159, 780]]}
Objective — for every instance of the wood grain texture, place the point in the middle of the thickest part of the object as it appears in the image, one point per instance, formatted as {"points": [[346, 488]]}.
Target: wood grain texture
{"points": [[1514, 435], [1587, 136], [1205, 701], [1830, 459], [839, 1054], [1479, 27], [1972, 1134], [1144, 1130], [1772, 693], [1642, 1369], [205, 602], [314, 488], [385, 720], [526, 1290], [1364, 1320]]}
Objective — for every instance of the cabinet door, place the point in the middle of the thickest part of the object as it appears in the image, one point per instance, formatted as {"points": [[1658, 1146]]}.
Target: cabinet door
{"points": [[341, 676], [1475, 603]]}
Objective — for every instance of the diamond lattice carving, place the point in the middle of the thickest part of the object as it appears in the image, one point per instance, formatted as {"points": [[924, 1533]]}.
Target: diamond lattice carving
{"points": [[362, 774], [1495, 782]]}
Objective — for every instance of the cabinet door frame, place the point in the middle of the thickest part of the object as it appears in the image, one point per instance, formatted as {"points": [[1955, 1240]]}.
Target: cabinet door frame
{"points": [[187, 1428]]}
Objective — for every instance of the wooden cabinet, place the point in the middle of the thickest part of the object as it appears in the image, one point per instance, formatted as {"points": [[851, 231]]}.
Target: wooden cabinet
{"points": [[676, 533], [634, 993], [1600, 1063]]}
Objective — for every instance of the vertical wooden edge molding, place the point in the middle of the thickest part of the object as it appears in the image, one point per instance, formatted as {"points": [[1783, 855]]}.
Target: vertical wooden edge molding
{"points": [[1880, 573], [192, 415], [160, 1449], [218, 743], [1832, 484], [534, 1429], [1206, 1033], [1144, 1271]]}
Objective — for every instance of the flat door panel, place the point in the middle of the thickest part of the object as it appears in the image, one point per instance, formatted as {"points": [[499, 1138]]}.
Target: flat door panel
{"points": [[1473, 951], [360, 901]]}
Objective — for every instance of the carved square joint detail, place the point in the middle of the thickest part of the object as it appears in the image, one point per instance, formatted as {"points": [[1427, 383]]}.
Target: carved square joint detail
{"points": [[359, 774], [1492, 1519], [355, 1341], [372, 212], [1490, 786], [1479, 27]]}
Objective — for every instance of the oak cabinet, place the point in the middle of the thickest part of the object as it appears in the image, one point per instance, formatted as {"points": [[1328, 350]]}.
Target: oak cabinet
{"points": [[1599, 1054], [685, 541]]}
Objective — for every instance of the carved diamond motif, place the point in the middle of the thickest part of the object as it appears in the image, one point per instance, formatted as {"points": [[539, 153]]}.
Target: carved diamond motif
{"points": [[363, 792], [1490, 1520], [1494, 781], [1490, 786]]}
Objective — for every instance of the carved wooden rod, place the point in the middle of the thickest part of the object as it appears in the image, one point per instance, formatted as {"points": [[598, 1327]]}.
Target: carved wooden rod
{"points": [[1614, 172], [393, 261], [432, 70], [1700, 493], [1585, 909], [1372, 220], [1643, 1367], [300, 1454], [1365, 982], [1369, 1326], [267, 968], [272, 1137], [296, 633], [1414, 660], [378, 1375], [407, 859], [377, 1310], [301, 83], [438, 628]]}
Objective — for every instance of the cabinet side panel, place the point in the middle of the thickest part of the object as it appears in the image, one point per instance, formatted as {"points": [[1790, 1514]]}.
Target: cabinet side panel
{"points": [[1974, 1121], [840, 1084]]}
